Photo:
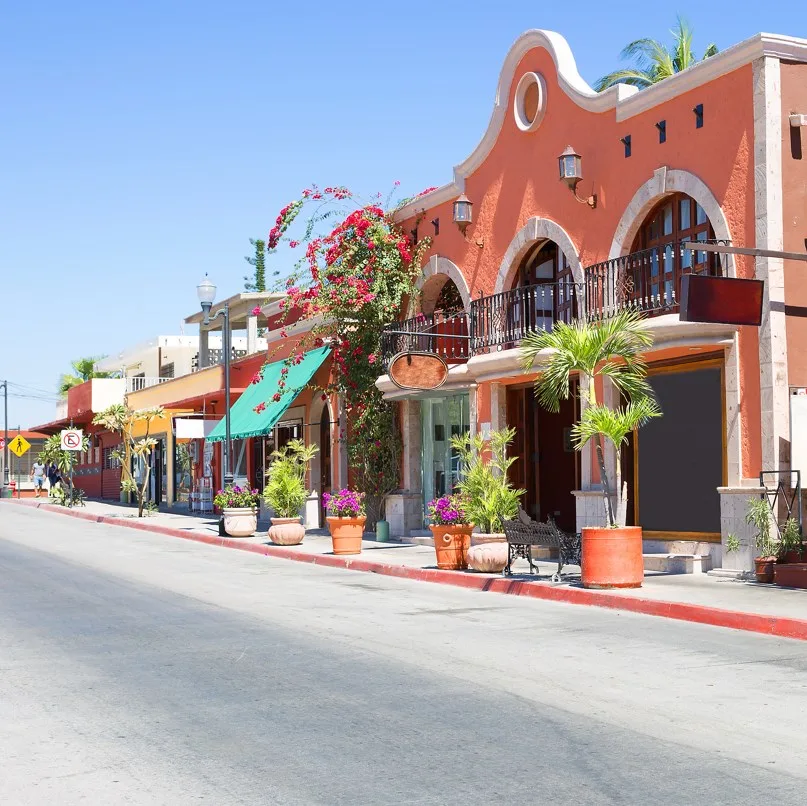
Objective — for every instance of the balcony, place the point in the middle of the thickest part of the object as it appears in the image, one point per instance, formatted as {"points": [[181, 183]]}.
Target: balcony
{"points": [[137, 383], [215, 357], [442, 333]]}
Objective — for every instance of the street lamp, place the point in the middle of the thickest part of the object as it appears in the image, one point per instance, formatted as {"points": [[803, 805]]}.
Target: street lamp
{"points": [[206, 291]]}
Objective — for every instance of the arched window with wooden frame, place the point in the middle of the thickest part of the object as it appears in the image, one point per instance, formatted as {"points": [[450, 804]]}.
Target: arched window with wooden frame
{"points": [[675, 220], [545, 271]]}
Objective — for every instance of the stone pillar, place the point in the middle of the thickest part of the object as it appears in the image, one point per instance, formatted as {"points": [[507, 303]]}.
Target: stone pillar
{"points": [[498, 407], [587, 454], [252, 334], [589, 508], [733, 506], [770, 235], [204, 347], [733, 414], [404, 508], [473, 408], [311, 513]]}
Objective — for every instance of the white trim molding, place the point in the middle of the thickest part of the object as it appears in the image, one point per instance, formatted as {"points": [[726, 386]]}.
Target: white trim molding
{"points": [[439, 265], [664, 182], [626, 101], [536, 229]]}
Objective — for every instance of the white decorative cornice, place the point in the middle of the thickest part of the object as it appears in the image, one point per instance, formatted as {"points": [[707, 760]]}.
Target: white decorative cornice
{"points": [[626, 100]]}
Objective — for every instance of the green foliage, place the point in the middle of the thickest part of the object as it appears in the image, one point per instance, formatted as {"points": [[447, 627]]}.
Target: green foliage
{"points": [[612, 348], [489, 497], [52, 452], [258, 261], [654, 61], [122, 420], [789, 538], [758, 514], [235, 497], [84, 369], [732, 542], [285, 490], [68, 496]]}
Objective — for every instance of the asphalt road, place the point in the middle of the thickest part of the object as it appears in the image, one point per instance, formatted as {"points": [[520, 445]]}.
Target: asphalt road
{"points": [[149, 670]]}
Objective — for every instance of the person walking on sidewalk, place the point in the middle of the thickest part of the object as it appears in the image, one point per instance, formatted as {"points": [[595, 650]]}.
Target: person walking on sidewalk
{"points": [[38, 475], [53, 476]]}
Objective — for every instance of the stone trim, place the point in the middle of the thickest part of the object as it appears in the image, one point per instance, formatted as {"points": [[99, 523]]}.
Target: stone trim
{"points": [[439, 265], [536, 229], [769, 231]]}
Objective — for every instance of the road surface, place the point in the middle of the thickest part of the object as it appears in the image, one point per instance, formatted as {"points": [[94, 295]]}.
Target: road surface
{"points": [[140, 669]]}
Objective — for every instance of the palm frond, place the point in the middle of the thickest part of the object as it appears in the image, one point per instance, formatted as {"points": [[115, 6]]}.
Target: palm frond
{"points": [[711, 50], [634, 78], [614, 424]]}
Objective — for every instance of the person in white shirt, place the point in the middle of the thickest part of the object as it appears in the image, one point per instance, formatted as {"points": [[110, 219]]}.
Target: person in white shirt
{"points": [[38, 475]]}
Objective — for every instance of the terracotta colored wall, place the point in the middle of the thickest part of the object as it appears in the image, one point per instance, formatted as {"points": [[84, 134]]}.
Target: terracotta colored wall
{"points": [[794, 197]]}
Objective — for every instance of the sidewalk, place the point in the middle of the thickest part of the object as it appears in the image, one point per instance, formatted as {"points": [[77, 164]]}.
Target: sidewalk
{"points": [[717, 601]]}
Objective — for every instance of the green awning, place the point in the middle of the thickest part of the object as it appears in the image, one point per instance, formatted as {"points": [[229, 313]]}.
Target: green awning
{"points": [[245, 421]]}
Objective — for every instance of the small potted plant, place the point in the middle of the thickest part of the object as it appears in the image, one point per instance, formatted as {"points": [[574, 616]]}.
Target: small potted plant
{"points": [[346, 520], [759, 516], [286, 493], [790, 570], [451, 530], [239, 506]]}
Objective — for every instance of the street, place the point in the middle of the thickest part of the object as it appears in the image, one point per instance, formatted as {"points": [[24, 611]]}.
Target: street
{"points": [[142, 669]]}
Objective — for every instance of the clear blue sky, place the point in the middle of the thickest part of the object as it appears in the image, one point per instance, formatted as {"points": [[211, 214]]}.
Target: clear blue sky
{"points": [[144, 143]]}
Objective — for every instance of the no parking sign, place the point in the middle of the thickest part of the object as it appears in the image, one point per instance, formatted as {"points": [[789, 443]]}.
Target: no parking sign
{"points": [[72, 439]]}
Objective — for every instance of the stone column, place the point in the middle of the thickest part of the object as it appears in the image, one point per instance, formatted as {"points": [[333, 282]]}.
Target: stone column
{"points": [[404, 508], [733, 506], [340, 460], [770, 235], [252, 334]]}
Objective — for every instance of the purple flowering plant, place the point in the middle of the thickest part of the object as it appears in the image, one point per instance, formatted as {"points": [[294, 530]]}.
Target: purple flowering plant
{"points": [[344, 504], [448, 510], [233, 496]]}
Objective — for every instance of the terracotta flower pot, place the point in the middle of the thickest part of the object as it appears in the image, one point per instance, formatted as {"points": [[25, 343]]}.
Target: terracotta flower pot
{"points": [[791, 575], [286, 531], [240, 521], [451, 544], [346, 534], [612, 558], [764, 567], [484, 537]]}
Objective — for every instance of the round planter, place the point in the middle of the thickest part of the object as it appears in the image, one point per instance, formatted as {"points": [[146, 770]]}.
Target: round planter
{"points": [[612, 558], [346, 534], [451, 544], [240, 521], [764, 567], [286, 531], [481, 539], [488, 558]]}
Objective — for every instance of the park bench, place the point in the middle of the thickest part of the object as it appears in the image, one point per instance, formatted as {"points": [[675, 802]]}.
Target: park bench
{"points": [[523, 533]]}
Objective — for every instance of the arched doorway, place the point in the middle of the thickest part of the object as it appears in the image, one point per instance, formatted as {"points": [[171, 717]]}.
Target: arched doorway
{"points": [[675, 220], [546, 466]]}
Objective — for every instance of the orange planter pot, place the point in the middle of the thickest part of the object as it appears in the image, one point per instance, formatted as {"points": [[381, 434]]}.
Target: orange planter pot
{"points": [[612, 558], [451, 544], [346, 534]]}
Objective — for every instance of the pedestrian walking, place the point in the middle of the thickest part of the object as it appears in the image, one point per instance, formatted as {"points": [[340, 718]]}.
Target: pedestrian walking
{"points": [[54, 477], [38, 476]]}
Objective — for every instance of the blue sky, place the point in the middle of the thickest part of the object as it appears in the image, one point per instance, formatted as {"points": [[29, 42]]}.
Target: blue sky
{"points": [[144, 143]]}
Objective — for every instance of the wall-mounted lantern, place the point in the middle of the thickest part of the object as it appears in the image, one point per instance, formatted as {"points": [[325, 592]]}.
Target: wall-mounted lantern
{"points": [[571, 172], [463, 212]]}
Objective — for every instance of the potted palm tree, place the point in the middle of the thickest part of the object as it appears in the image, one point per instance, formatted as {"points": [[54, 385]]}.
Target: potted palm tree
{"points": [[451, 529], [239, 506], [489, 496], [346, 521], [610, 348], [286, 493]]}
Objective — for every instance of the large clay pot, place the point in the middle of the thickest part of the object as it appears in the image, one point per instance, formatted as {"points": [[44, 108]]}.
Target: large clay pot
{"points": [[612, 558], [451, 544], [346, 534], [764, 567], [286, 531], [488, 558], [478, 538], [240, 521], [790, 575]]}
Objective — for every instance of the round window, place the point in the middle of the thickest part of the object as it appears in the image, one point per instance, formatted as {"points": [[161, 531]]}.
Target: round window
{"points": [[530, 102]]}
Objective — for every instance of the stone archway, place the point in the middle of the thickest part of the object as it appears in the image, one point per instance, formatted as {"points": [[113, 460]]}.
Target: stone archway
{"points": [[663, 183], [536, 229], [437, 267]]}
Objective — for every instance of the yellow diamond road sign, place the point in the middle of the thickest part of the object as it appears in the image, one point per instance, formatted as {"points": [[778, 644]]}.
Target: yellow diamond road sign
{"points": [[19, 445]]}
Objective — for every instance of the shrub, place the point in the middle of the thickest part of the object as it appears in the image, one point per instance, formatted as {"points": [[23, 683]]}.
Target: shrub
{"points": [[448, 510], [344, 504], [285, 490], [234, 497]]}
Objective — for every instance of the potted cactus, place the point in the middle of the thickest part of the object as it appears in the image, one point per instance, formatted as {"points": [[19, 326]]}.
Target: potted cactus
{"points": [[286, 493], [346, 520], [239, 506]]}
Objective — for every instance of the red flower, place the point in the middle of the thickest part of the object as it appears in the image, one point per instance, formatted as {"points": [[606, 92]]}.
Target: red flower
{"points": [[256, 311], [259, 408], [294, 244], [275, 397], [371, 358], [324, 397]]}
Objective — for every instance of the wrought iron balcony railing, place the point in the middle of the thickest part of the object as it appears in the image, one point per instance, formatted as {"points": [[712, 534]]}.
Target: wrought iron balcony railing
{"points": [[501, 321], [443, 333]]}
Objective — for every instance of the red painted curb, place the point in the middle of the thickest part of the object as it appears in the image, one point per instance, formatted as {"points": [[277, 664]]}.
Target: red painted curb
{"points": [[778, 626]]}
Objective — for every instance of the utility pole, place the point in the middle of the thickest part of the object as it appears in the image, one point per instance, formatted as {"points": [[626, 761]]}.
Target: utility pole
{"points": [[5, 435]]}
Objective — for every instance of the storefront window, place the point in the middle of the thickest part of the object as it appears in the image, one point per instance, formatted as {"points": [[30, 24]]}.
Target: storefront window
{"points": [[442, 418]]}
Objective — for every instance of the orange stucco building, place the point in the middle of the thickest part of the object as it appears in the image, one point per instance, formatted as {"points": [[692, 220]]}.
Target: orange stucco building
{"points": [[711, 154]]}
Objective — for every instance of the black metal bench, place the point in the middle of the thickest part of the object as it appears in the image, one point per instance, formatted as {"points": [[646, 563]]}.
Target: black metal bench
{"points": [[523, 533]]}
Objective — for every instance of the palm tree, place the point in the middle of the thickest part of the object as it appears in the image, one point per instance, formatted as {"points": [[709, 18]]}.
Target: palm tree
{"points": [[611, 348], [84, 369], [655, 61]]}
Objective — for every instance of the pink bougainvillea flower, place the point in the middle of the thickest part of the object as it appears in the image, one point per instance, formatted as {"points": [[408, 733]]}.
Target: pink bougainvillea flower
{"points": [[276, 397], [256, 311]]}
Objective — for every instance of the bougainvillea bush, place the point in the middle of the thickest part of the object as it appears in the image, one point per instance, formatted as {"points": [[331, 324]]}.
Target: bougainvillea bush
{"points": [[352, 281], [448, 510], [344, 504]]}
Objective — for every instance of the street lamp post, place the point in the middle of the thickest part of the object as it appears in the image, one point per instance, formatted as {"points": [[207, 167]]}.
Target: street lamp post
{"points": [[207, 293], [5, 437]]}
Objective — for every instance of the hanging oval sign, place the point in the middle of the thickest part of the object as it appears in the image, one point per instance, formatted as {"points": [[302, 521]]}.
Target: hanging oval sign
{"points": [[420, 371]]}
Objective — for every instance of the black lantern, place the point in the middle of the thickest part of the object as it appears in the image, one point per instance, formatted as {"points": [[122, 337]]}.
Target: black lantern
{"points": [[463, 212]]}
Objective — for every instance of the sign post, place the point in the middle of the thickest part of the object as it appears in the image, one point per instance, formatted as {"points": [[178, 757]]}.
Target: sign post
{"points": [[72, 440]]}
